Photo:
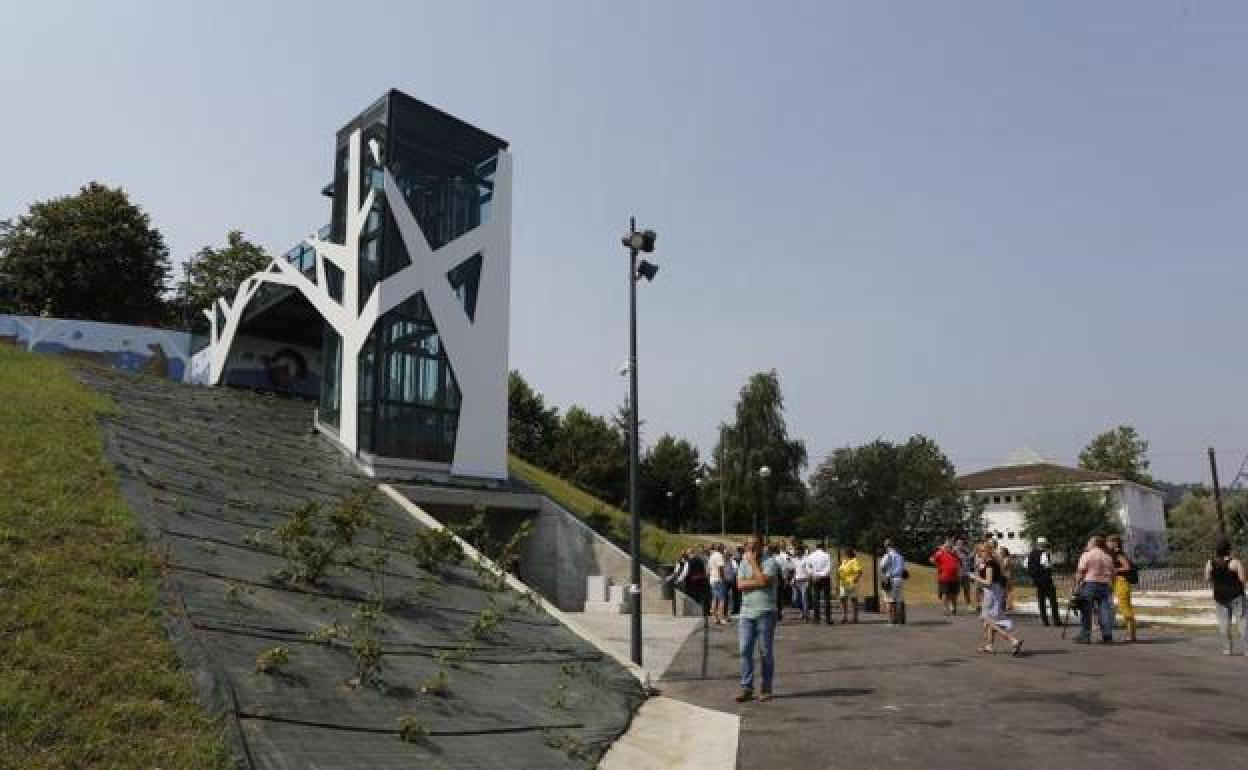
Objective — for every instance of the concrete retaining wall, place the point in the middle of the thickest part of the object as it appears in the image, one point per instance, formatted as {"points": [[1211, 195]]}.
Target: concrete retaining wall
{"points": [[563, 551]]}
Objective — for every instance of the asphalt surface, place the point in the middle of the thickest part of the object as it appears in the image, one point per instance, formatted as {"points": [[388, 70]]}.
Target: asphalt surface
{"points": [[871, 695]]}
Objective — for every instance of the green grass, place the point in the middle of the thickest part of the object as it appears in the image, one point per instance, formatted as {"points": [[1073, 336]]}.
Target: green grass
{"points": [[88, 677], [658, 546]]}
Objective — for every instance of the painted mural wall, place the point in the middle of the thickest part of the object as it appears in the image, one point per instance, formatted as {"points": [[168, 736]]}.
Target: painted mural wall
{"points": [[130, 348], [275, 366]]}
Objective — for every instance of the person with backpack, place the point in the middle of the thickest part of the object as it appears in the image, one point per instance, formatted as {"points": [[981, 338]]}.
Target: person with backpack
{"points": [[1125, 576], [1226, 575], [1040, 568]]}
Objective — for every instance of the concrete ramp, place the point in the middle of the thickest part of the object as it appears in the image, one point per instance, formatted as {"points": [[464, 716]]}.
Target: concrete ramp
{"points": [[667, 734]]}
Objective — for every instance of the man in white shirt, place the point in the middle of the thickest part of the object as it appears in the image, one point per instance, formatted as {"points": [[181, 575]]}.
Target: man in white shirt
{"points": [[719, 586], [801, 582], [820, 565]]}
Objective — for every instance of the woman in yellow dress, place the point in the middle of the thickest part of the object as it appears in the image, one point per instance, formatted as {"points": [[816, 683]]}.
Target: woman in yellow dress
{"points": [[1122, 584]]}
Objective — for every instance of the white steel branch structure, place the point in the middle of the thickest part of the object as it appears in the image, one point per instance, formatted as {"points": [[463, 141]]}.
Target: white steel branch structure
{"points": [[474, 340]]}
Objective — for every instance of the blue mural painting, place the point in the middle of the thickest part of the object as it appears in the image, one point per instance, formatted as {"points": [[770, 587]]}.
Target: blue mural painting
{"points": [[160, 352]]}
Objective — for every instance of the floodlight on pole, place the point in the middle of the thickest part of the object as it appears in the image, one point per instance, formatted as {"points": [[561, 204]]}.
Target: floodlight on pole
{"points": [[636, 243]]}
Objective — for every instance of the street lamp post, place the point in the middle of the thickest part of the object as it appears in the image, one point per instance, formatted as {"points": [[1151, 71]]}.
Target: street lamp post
{"points": [[635, 242]]}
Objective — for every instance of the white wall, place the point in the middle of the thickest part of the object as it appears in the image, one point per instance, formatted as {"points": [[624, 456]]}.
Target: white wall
{"points": [[1139, 509]]}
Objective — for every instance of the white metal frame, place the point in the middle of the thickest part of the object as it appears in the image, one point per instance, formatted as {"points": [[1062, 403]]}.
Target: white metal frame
{"points": [[477, 348]]}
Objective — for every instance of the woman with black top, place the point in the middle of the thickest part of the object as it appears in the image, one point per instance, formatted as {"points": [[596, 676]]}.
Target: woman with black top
{"points": [[991, 578], [1226, 575]]}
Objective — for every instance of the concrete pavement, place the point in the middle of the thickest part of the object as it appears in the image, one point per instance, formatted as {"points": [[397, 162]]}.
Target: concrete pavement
{"points": [[871, 695]]}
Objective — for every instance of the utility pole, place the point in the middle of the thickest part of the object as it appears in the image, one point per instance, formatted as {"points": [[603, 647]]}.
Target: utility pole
{"points": [[1217, 494]]}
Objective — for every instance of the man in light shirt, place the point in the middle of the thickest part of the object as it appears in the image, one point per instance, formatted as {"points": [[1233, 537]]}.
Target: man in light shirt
{"points": [[1093, 577], [893, 569], [719, 586], [801, 582], [820, 565]]}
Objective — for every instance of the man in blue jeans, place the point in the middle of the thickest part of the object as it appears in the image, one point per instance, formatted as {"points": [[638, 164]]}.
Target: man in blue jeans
{"points": [[1093, 577], [757, 578]]}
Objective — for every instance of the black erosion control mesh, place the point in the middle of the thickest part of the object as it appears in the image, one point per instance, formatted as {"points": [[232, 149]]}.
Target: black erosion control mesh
{"points": [[377, 663]]}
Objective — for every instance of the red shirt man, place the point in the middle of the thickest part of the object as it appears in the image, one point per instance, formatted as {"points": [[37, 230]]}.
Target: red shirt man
{"points": [[948, 576]]}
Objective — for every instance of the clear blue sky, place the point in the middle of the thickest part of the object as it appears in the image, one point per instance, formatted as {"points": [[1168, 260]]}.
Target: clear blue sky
{"points": [[996, 223]]}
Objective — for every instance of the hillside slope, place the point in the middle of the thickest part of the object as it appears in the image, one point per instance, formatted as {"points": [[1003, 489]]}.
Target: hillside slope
{"points": [[387, 658]]}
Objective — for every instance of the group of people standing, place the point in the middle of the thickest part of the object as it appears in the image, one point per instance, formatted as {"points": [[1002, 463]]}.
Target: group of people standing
{"points": [[755, 582]]}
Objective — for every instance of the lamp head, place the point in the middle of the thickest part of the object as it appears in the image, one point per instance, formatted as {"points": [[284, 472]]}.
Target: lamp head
{"points": [[640, 241], [647, 270]]}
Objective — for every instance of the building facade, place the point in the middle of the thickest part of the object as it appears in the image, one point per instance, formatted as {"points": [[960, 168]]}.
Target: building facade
{"points": [[402, 301], [1001, 491]]}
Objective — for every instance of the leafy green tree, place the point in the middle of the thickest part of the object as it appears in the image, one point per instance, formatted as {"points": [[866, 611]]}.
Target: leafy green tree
{"points": [[758, 437], [94, 255], [1119, 451], [1067, 515], [669, 491], [217, 272], [591, 453], [906, 492], [532, 427], [1193, 524]]}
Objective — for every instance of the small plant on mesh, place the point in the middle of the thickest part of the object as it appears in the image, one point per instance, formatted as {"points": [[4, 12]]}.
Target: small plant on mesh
{"points": [[273, 660], [557, 695], [412, 730], [309, 546], [439, 682], [366, 630], [328, 633], [567, 743], [435, 550], [487, 624]]}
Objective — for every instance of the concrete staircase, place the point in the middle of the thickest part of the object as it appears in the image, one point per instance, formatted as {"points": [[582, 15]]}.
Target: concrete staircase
{"points": [[603, 597]]}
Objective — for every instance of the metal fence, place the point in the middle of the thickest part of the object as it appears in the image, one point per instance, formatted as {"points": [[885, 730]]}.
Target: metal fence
{"points": [[1178, 577]]}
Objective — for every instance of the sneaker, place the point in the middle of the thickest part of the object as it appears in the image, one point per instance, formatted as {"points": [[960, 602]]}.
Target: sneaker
{"points": [[1016, 646], [764, 696], [746, 695]]}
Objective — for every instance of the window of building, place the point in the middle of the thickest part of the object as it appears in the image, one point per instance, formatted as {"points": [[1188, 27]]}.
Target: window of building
{"points": [[409, 399], [1010, 535], [996, 499], [465, 279]]}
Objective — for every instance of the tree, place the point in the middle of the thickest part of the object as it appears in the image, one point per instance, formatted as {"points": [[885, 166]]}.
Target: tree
{"points": [[906, 492], [1193, 526], [591, 453], [94, 255], [669, 491], [759, 437], [532, 427], [1067, 516], [217, 272], [1119, 451]]}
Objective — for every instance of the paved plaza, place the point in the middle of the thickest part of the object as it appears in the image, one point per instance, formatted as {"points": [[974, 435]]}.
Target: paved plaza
{"points": [[870, 696]]}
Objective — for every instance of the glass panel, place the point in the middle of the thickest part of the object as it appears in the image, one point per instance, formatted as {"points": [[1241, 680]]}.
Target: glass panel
{"points": [[331, 377], [413, 406]]}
